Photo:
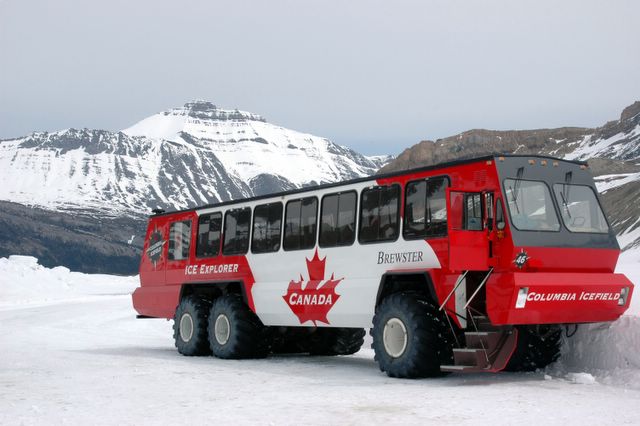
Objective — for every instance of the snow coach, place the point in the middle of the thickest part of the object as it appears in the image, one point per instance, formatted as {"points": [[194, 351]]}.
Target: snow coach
{"points": [[475, 265]]}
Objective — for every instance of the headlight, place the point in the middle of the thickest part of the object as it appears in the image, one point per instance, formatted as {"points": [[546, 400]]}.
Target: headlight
{"points": [[624, 294], [522, 297]]}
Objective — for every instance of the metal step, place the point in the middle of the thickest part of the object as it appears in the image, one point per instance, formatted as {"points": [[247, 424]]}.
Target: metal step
{"points": [[472, 357], [481, 322], [485, 351], [487, 340], [461, 369]]}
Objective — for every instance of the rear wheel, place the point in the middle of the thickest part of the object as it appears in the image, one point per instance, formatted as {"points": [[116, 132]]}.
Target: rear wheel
{"points": [[190, 326], [538, 346], [235, 331], [410, 337]]}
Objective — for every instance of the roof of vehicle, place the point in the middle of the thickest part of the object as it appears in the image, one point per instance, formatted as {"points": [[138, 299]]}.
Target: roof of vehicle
{"points": [[367, 178]]}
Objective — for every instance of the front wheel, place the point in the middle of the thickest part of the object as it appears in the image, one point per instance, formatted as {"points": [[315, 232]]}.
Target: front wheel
{"points": [[235, 332], [410, 339], [538, 346]]}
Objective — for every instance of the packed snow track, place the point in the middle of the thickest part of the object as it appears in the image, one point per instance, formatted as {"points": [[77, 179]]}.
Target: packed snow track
{"points": [[87, 360]]}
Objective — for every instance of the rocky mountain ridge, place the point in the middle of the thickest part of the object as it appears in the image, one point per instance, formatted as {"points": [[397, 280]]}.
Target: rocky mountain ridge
{"points": [[612, 151], [176, 159]]}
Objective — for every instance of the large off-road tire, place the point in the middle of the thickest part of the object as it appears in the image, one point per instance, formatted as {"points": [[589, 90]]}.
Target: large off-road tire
{"points": [[336, 341], [410, 337], [538, 346], [190, 326], [235, 332]]}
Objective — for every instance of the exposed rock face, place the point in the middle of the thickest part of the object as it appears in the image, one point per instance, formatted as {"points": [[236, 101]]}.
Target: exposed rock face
{"points": [[79, 242], [613, 153], [630, 111]]}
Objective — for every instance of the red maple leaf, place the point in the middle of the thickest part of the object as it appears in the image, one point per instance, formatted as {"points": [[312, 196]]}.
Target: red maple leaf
{"points": [[315, 300]]}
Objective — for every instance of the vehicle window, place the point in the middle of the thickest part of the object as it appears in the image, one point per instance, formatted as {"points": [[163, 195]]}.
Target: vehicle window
{"points": [[209, 226], [580, 209], [473, 212], [179, 240], [488, 208], [267, 224], [338, 220], [236, 231], [530, 205], [425, 208], [499, 211], [379, 214], [300, 224]]}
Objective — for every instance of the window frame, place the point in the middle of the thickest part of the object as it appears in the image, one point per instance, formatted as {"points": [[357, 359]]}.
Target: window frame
{"points": [[398, 216], [404, 216], [253, 222], [551, 197], [595, 195], [355, 218], [284, 223], [481, 207], [224, 232], [169, 253], [220, 239]]}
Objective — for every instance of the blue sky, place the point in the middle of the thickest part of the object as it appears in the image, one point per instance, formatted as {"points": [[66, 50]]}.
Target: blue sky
{"points": [[375, 76]]}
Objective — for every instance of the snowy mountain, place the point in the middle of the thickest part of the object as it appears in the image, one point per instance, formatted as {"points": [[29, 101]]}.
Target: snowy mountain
{"points": [[92, 189], [175, 159], [612, 151]]}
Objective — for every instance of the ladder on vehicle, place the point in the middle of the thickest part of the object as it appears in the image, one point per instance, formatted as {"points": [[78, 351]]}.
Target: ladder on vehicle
{"points": [[486, 348]]}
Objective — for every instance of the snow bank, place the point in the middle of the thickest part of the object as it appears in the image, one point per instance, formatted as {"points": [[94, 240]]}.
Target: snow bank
{"points": [[24, 281], [607, 352], [629, 264]]}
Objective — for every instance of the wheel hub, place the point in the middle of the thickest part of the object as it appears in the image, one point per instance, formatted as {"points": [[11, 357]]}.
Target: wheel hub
{"points": [[394, 337], [222, 329], [186, 327]]}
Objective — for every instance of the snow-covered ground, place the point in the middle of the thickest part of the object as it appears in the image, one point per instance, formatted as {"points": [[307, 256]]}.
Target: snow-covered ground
{"points": [[72, 352]]}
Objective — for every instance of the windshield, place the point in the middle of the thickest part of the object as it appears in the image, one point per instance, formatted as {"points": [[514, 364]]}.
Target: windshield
{"points": [[580, 209], [530, 205]]}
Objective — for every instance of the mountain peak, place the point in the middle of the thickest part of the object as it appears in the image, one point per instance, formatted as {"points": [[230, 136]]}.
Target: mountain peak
{"points": [[630, 111], [194, 117], [205, 110]]}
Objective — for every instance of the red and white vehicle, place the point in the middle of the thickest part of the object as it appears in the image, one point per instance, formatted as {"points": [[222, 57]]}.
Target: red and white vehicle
{"points": [[473, 265]]}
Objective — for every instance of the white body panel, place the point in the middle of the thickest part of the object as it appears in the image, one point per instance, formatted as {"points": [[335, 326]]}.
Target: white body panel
{"points": [[359, 266]]}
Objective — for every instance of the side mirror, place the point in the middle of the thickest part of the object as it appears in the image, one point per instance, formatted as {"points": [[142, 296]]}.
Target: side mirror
{"points": [[500, 225]]}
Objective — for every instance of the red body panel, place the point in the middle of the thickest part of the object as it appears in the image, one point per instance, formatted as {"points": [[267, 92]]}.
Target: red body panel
{"points": [[556, 297], [161, 283]]}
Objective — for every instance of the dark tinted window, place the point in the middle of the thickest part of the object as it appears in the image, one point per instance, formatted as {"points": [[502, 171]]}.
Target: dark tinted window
{"points": [[425, 212], [338, 220], [473, 212], [267, 224], [236, 231], [379, 214], [179, 240], [499, 211], [209, 226], [300, 224]]}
